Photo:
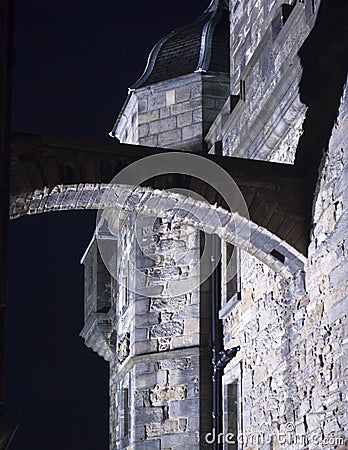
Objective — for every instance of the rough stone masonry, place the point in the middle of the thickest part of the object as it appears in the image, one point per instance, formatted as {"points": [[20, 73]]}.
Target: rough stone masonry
{"points": [[256, 80], [286, 388]]}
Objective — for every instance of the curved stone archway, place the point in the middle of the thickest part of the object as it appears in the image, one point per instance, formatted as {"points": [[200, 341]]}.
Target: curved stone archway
{"points": [[273, 192], [254, 239]]}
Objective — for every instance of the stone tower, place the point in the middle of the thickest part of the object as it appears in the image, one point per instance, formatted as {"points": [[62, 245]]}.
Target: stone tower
{"points": [[184, 85], [241, 82], [160, 374]]}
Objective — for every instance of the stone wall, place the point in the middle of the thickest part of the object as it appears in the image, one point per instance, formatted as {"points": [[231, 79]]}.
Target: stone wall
{"points": [[155, 378], [269, 114], [291, 373], [163, 401], [292, 370], [175, 113], [262, 324], [325, 329], [255, 22]]}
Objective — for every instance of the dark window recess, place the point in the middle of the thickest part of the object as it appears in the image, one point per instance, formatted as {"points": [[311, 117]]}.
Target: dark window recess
{"points": [[98, 295], [228, 108], [242, 90], [218, 148], [280, 19], [114, 290], [103, 286], [125, 412], [278, 255], [124, 295], [134, 116], [232, 414], [233, 102], [232, 272], [89, 278]]}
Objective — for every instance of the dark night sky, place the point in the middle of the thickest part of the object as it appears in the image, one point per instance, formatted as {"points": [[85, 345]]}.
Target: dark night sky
{"points": [[74, 62]]}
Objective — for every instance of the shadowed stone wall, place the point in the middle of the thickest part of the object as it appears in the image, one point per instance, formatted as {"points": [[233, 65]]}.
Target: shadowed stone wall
{"points": [[325, 313], [266, 122], [293, 363]]}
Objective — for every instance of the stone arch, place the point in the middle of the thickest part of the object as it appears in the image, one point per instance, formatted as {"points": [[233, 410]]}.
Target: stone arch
{"points": [[273, 192], [257, 241]]}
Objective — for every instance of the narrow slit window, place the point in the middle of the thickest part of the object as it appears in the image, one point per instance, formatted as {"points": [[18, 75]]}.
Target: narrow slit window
{"points": [[123, 302], [125, 412], [231, 275], [232, 417], [242, 90]]}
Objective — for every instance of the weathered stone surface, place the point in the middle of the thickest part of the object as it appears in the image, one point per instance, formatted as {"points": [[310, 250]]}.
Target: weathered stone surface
{"points": [[289, 317], [172, 304], [161, 396], [181, 364], [167, 329]]}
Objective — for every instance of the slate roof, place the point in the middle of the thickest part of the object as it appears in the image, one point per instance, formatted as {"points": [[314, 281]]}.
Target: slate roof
{"points": [[201, 46]]}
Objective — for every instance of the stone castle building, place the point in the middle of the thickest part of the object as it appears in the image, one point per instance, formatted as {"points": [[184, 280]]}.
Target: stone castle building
{"points": [[229, 83], [255, 355]]}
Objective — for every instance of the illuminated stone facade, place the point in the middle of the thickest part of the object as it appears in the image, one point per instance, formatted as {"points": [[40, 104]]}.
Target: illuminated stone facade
{"points": [[287, 383]]}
